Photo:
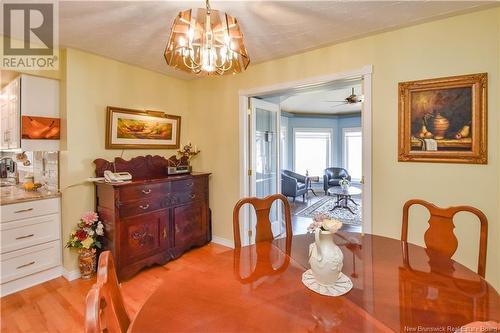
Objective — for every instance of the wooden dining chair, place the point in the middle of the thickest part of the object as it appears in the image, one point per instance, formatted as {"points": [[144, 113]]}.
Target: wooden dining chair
{"points": [[263, 226], [440, 237], [105, 309]]}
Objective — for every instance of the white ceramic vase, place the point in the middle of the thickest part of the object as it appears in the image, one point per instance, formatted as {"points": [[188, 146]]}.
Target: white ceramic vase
{"points": [[326, 258]]}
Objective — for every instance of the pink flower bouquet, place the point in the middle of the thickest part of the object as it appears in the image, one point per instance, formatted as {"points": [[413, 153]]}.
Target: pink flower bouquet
{"points": [[88, 233], [324, 223]]}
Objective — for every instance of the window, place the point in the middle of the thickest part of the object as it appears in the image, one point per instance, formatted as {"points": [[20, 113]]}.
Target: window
{"points": [[312, 151], [353, 152]]}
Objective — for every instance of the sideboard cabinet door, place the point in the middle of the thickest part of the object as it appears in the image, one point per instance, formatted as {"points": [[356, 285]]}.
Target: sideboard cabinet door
{"points": [[190, 226], [143, 236]]}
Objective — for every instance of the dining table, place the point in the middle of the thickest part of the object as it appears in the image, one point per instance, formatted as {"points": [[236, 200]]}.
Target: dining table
{"points": [[397, 287]]}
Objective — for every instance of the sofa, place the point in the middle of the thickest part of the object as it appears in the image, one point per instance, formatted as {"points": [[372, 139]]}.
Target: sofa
{"points": [[333, 176], [293, 184]]}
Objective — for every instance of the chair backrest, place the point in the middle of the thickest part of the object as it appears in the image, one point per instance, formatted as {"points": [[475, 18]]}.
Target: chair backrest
{"points": [[336, 173], [440, 237], [93, 310], [262, 208], [105, 306]]}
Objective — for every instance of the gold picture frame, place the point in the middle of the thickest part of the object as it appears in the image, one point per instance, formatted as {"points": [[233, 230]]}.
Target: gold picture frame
{"points": [[444, 120], [136, 129]]}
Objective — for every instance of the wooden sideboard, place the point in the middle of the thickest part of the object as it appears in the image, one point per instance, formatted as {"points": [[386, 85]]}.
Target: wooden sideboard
{"points": [[152, 220]]}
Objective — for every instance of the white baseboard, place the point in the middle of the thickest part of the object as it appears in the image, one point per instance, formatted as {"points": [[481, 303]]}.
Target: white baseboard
{"points": [[71, 275], [223, 241], [29, 281]]}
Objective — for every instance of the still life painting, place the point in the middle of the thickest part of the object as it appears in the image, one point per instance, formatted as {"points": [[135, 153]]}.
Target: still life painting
{"points": [[443, 120], [128, 128]]}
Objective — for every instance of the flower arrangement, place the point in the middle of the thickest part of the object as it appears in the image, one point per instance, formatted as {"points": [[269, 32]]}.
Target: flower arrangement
{"points": [[88, 233], [344, 183], [187, 152], [324, 223]]}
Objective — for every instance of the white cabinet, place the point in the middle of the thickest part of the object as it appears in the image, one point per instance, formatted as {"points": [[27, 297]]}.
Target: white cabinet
{"points": [[24, 210], [28, 96], [30, 248], [39, 98], [10, 108], [28, 262], [24, 233]]}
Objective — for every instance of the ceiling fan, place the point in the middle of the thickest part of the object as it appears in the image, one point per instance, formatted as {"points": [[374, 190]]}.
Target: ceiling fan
{"points": [[351, 99]]}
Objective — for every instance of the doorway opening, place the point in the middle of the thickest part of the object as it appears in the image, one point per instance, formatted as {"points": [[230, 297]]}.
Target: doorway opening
{"points": [[303, 139]]}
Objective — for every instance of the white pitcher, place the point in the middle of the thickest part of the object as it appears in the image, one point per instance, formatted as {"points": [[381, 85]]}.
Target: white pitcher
{"points": [[325, 257]]}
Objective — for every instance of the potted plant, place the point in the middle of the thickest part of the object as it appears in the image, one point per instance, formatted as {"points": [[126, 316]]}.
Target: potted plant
{"points": [[87, 238]]}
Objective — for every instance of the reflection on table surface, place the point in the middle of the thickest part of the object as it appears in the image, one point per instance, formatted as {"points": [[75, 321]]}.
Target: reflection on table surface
{"points": [[397, 287]]}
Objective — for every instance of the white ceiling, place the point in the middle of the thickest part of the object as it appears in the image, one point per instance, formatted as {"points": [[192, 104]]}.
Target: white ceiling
{"points": [[325, 99], [136, 32]]}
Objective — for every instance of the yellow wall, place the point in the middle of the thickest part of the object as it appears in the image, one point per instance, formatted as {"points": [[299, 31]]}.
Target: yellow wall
{"points": [[453, 46], [92, 83], [209, 107]]}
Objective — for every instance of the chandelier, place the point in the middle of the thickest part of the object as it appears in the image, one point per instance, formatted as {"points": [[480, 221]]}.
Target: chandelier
{"points": [[206, 43]]}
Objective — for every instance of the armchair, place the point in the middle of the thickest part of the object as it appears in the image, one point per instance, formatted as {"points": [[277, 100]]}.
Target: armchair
{"points": [[293, 184], [333, 176]]}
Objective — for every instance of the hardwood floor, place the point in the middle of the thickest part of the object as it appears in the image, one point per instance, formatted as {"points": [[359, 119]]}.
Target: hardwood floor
{"points": [[58, 305]]}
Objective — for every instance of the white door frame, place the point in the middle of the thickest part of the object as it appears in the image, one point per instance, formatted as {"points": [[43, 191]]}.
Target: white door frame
{"points": [[364, 73]]}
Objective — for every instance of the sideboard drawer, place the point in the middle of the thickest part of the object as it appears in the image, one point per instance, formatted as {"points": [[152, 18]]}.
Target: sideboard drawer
{"points": [[133, 208], [29, 209], [187, 197], [187, 185], [18, 234], [31, 260], [137, 192]]}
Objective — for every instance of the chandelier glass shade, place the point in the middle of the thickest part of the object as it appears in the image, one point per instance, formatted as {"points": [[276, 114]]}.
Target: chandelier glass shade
{"points": [[205, 41]]}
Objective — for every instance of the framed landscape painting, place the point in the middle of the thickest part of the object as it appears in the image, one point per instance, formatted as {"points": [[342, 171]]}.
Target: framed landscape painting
{"points": [[444, 120], [126, 128]]}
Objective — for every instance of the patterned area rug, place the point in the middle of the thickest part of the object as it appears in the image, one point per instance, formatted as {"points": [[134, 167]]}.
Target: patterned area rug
{"points": [[324, 205]]}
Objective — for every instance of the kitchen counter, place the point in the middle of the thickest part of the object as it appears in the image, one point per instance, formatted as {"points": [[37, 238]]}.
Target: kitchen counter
{"points": [[14, 194]]}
